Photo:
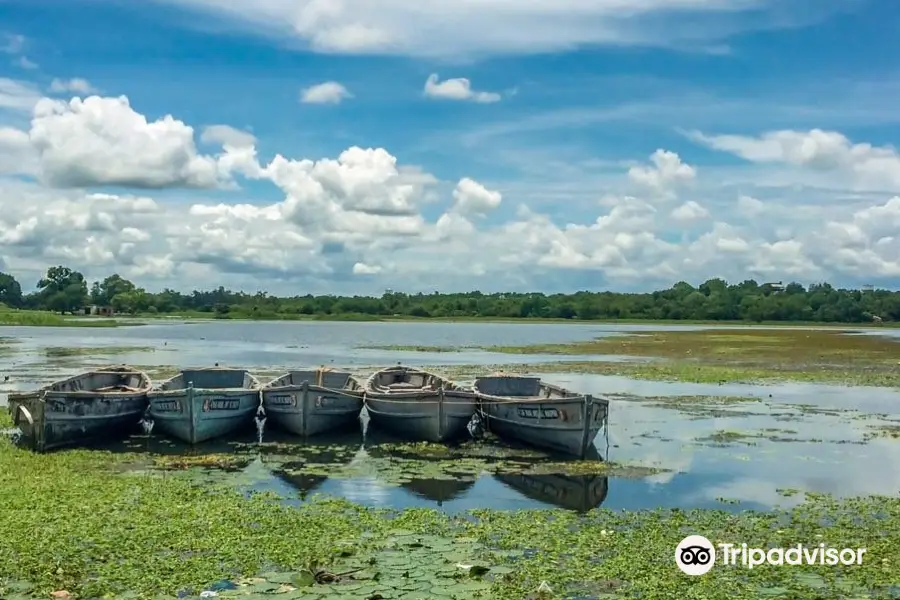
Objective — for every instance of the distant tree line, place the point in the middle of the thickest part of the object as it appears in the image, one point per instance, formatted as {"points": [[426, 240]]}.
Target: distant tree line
{"points": [[65, 290]]}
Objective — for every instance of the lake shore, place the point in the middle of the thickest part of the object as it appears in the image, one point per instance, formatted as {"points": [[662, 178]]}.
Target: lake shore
{"points": [[140, 534], [36, 318]]}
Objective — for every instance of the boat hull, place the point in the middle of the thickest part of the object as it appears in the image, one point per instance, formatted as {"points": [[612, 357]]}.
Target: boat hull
{"points": [[55, 419], [311, 410], [432, 416], [198, 415], [556, 425]]}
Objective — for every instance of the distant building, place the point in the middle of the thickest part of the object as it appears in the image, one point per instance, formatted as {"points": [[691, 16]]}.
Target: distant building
{"points": [[99, 311]]}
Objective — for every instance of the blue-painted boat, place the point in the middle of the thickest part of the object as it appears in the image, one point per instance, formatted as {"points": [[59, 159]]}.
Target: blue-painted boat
{"points": [[202, 404], [92, 406], [418, 405], [313, 401], [537, 413]]}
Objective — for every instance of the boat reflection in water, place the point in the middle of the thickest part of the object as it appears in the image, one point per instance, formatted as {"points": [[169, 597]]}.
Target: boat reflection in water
{"points": [[287, 457], [438, 490], [303, 483], [579, 493]]}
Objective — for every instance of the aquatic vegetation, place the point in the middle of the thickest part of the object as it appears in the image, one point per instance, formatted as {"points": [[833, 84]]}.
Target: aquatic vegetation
{"points": [[883, 431], [61, 352], [720, 356], [401, 348], [72, 523], [22, 318]]}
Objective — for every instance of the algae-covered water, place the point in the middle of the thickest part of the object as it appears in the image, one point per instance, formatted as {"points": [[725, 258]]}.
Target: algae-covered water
{"points": [[672, 444]]}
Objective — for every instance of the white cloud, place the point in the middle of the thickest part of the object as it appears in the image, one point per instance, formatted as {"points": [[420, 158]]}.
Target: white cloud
{"points": [[103, 141], [472, 198], [749, 206], [500, 27], [329, 92], [17, 95], [76, 85], [689, 211], [868, 166], [364, 269], [457, 89], [226, 135], [667, 172], [363, 221]]}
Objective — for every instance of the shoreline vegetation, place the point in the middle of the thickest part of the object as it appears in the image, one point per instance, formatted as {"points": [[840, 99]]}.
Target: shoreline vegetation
{"points": [[140, 533], [717, 356], [64, 291]]}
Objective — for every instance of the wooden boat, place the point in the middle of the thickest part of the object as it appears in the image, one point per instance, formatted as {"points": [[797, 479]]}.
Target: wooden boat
{"points": [[540, 414], [93, 405], [201, 404], [315, 401], [580, 493], [418, 405]]}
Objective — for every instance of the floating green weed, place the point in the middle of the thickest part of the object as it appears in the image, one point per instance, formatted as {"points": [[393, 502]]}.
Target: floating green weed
{"points": [[60, 352], [72, 522]]}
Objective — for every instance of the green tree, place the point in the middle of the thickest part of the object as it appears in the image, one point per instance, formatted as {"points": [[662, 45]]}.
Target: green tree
{"points": [[10, 291], [111, 287], [63, 290]]}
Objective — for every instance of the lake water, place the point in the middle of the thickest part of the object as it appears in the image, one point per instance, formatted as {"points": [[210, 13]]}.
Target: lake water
{"points": [[781, 438]]}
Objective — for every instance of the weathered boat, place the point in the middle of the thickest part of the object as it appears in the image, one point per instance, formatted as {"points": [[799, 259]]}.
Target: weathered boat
{"points": [[540, 414], [94, 405], [201, 404], [418, 405], [310, 402], [579, 493]]}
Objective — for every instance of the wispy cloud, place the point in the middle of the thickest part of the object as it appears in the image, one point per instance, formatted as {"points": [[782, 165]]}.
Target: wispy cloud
{"points": [[458, 88], [75, 85], [453, 30], [329, 92]]}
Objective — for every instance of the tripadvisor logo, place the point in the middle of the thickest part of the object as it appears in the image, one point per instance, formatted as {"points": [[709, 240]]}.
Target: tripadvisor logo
{"points": [[696, 555]]}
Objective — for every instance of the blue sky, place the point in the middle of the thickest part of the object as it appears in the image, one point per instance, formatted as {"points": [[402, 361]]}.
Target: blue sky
{"points": [[587, 91]]}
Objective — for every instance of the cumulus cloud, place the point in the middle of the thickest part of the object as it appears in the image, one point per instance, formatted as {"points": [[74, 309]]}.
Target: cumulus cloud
{"points": [[666, 172], [499, 27], [103, 141], [829, 151], [472, 198], [329, 92], [689, 211], [74, 86], [226, 135], [459, 88], [365, 221]]}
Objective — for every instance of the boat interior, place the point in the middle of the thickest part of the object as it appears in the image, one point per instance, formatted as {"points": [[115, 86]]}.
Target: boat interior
{"points": [[405, 380], [211, 379], [518, 386], [114, 379], [326, 378]]}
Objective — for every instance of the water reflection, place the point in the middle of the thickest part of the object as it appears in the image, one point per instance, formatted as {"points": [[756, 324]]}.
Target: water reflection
{"points": [[438, 490], [304, 484], [579, 493]]}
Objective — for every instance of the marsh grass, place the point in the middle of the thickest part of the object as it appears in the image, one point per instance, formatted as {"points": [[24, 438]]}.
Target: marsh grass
{"points": [[808, 346], [720, 356], [71, 351], [401, 348], [20, 318], [692, 372], [70, 521]]}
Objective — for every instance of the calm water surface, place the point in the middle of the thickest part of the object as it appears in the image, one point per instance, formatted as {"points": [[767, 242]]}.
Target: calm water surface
{"points": [[787, 437]]}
